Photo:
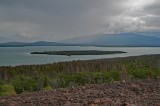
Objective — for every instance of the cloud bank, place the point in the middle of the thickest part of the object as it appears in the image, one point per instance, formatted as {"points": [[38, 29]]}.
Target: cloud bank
{"points": [[60, 19]]}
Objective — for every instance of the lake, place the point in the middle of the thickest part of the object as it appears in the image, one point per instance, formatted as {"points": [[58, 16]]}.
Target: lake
{"points": [[12, 56]]}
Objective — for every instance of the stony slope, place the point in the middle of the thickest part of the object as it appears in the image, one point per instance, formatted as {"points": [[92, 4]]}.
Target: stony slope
{"points": [[130, 93]]}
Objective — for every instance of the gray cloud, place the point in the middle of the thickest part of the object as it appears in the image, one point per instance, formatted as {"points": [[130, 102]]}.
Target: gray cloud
{"points": [[154, 8], [61, 19]]}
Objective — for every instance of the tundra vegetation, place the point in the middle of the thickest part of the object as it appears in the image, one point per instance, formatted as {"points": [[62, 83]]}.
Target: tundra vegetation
{"points": [[29, 78]]}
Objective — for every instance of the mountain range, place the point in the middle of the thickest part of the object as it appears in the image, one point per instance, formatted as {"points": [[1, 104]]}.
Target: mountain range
{"points": [[121, 39], [38, 43]]}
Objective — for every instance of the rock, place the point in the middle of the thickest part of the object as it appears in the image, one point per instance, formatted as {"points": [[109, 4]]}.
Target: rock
{"points": [[2, 100], [136, 88], [93, 105], [68, 103], [123, 81], [132, 105], [96, 101], [12, 104], [105, 100], [75, 104], [158, 77]]}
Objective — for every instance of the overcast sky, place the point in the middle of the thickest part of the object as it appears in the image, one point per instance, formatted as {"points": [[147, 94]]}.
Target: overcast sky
{"points": [[61, 19]]}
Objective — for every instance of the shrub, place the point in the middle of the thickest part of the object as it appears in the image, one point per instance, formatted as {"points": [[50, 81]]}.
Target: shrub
{"points": [[48, 88], [7, 89], [1, 84], [115, 75], [139, 74], [23, 84]]}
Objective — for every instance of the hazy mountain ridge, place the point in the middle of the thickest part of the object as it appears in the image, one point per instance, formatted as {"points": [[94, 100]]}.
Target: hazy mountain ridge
{"points": [[38, 43], [121, 39]]}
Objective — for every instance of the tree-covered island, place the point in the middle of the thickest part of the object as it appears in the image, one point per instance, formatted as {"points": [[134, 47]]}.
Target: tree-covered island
{"points": [[79, 52]]}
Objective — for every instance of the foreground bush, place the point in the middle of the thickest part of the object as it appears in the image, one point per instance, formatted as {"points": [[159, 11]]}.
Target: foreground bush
{"points": [[7, 89], [23, 84]]}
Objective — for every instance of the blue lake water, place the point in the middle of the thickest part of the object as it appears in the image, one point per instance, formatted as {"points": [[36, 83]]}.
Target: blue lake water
{"points": [[12, 56]]}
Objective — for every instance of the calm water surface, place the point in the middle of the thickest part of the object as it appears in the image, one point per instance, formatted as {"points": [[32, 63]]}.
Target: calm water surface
{"points": [[12, 56]]}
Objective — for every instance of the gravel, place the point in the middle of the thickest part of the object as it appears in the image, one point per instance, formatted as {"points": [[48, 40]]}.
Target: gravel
{"points": [[123, 93]]}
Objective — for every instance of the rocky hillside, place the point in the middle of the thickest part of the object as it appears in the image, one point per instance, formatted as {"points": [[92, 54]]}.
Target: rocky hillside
{"points": [[130, 93]]}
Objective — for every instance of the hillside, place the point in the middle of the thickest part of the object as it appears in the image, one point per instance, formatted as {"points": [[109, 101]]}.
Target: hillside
{"points": [[29, 78], [130, 93], [116, 81]]}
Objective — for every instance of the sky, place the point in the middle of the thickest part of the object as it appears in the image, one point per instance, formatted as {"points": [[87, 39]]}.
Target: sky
{"points": [[55, 20]]}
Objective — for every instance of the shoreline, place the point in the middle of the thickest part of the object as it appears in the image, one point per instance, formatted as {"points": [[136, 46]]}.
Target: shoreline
{"points": [[77, 60], [22, 56]]}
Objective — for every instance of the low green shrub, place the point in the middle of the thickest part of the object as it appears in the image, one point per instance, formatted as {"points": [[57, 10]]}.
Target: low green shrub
{"points": [[7, 89], [48, 88], [23, 84], [139, 74]]}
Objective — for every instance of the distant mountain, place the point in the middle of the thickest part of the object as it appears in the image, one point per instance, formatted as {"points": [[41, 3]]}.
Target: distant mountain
{"points": [[43, 43], [4, 39], [13, 44], [156, 34], [122, 39], [39, 43]]}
